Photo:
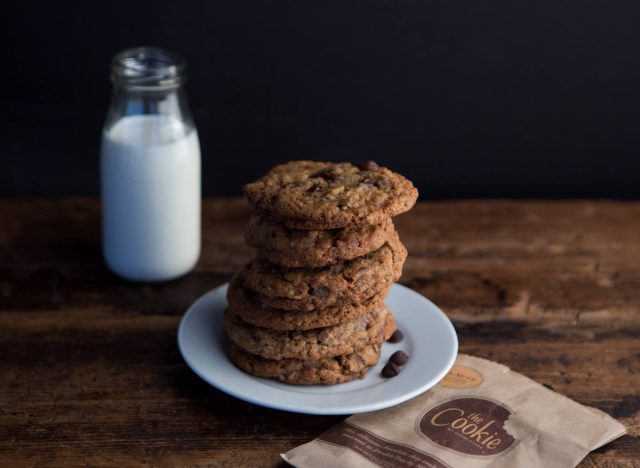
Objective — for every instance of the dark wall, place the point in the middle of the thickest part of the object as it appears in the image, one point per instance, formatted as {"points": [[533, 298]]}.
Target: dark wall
{"points": [[468, 97]]}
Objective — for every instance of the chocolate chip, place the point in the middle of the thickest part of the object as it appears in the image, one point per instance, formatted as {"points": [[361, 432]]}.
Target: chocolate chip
{"points": [[368, 180], [399, 358], [390, 370], [367, 165], [320, 292], [396, 337], [313, 189]]}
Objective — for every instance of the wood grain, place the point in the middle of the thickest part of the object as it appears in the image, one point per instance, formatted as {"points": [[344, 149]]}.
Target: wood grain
{"points": [[90, 372]]}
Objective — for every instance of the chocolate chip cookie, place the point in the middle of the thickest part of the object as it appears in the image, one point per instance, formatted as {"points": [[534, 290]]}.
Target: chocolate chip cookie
{"points": [[295, 248], [349, 281], [332, 370], [323, 195], [250, 308], [315, 344]]}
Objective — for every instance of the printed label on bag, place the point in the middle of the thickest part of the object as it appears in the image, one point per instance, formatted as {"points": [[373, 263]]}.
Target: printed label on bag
{"points": [[473, 426], [462, 377], [380, 451]]}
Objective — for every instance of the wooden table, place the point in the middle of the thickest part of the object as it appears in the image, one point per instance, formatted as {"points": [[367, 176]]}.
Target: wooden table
{"points": [[90, 371]]}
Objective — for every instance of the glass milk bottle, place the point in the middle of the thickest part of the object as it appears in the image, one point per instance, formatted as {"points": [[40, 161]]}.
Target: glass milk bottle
{"points": [[150, 169]]}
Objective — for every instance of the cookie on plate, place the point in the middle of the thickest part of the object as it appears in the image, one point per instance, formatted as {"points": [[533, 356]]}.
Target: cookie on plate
{"points": [[295, 248], [324, 195], [328, 371], [249, 306], [349, 281], [315, 344]]}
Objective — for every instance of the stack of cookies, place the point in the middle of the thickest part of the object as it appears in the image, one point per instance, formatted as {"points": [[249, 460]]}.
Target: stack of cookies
{"points": [[310, 307]]}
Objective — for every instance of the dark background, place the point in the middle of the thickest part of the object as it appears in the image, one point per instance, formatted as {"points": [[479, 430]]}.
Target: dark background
{"points": [[467, 97]]}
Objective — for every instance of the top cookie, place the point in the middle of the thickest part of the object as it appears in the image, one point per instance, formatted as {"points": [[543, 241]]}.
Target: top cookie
{"points": [[323, 195]]}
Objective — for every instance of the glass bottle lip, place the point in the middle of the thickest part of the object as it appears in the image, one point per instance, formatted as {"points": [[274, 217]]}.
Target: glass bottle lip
{"points": [[148, 68]]}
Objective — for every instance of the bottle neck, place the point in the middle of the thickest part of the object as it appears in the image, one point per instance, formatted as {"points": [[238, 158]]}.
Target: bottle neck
{"points": [[148, 81], [148, 69]]}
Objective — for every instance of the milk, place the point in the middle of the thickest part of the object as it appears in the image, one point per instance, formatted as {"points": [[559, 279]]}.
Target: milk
{"points": [[150, 175]]}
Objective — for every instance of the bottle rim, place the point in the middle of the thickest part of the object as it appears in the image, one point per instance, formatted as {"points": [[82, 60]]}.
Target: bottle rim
{"points": [[148, 68]]}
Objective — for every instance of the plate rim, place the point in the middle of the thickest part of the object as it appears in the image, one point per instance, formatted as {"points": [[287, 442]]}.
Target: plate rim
{"points": [[310, 409]]}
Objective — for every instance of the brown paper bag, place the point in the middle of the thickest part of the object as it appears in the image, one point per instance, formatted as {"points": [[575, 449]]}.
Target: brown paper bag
{"points": [[481, 414]]}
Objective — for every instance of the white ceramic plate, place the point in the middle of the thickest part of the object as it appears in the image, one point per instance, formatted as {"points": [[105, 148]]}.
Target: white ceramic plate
{"points": [[429, 339]]}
